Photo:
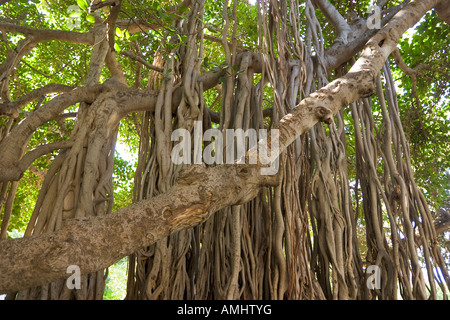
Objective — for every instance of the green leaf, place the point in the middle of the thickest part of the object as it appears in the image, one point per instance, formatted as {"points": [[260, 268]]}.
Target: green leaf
{"points": [[119, 33], [134, 36], [82, 4]]}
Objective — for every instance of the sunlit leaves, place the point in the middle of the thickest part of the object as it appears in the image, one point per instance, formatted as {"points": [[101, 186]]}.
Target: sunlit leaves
{"points": [[83, 5], [427, 124]]}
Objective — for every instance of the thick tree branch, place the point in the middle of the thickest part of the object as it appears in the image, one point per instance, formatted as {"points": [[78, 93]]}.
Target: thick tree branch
{"points": [[40, 35], [411, 72], [198, 193], [442, 222], [13, 58], [341, 52], [358, 83], [33, 37], [136, 25], [6, 109], [37, 152], [12, 146], [443, 11], [98, 5], [132, 100], [336, 19]]}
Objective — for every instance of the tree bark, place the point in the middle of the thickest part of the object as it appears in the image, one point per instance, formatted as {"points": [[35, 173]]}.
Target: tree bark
{"points": [[98, 242]]}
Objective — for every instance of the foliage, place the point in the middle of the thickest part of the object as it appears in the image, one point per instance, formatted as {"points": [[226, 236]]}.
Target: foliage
{"points": [[425, 118], [116, 283], [123, 181]]}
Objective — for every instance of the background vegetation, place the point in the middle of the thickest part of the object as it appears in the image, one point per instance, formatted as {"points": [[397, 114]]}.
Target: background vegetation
{"points": [[424, 105]]}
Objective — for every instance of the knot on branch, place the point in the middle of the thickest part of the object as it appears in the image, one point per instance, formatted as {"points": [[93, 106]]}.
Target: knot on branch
{"points": [[191, 174], [6, 109], [324, 114]]}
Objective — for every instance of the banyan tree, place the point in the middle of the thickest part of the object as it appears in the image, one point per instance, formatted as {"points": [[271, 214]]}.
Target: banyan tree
{"points": [[349, 94]]}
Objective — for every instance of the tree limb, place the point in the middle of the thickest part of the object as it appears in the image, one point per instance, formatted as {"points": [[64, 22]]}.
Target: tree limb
{"points": [[340, 52], [141, 60], [335, 18], [132, 100], [12, 145], [47, 34], [37, 152], [443, 11], [31, 96], [411, 72], [442, 222], [358, 83], [87, 243]]}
